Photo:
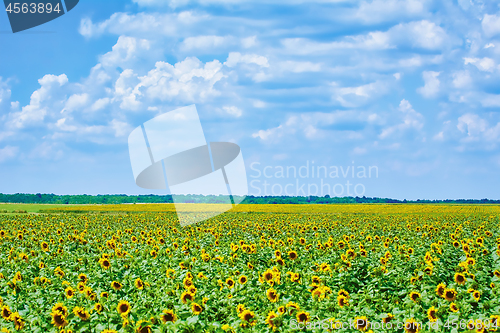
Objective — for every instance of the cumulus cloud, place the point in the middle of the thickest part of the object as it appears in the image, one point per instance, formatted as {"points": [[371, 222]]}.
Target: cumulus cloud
{"points": [[478, 129], [410, 120], [8, 152], [483, 64], [206, 42], [43, 101], [491, 25], [383, 10], [431, 87], [360, 95], [418, 34]]}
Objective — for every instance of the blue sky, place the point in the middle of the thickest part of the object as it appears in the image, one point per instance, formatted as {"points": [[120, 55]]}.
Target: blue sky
{"points": [[411, 87]]}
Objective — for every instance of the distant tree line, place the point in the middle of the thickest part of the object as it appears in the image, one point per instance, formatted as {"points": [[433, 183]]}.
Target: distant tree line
{"points": [[151, 198]]}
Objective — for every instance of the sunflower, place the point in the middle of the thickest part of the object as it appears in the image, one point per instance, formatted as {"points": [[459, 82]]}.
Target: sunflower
{"points": [[440, 289], [272, 296], [303, 317], [316, 279], [6, 312], [281, 309], [230, 283], [170, 273], [411, 326], [81, 313], [280, 262], [268, 275], [342, 301], [497, 273], [414, 296], [250, 266], [476, 294], [247, 316], [69, 292], [104, 294], [470, 261], [116, 285], [292, 255], [139, 284], [453, 307], [240, 308], [432, 314], [98, 307], [83, 278], [343, 292], [450, 294], [242, 279], [388, 318], [44, 246], [270, 320], [460, 278], [59, 319], [196, 308], [361, 323], [142, 328], [186, 296], [105, 263], [168, 316], [17, 320], [59, 307], [123, 307]]}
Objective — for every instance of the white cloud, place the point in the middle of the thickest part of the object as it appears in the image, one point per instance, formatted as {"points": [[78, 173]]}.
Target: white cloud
{"points": [[300, 66], [483, 64], [410, 120], [357, 96], [145, 25], [383, 10], [269, 133], [235, 58], [120, 128], [8, 152], [125, 51], [431, 87], [233, 111], [205, 42], [462, 79], [417, 34], [249, 42], [189, 80], [41, 99], [76, 101], [478, 129], [491, 25]]}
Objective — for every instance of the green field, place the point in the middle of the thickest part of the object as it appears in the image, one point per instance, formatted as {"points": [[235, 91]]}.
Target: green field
{"points": [[30, 208]]}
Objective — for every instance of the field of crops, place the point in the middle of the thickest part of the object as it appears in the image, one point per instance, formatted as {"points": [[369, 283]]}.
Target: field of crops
{"points": [[266, 268]]}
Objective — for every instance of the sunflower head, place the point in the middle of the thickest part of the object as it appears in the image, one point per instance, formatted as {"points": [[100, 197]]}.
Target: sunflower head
{"points": [[196, 308], [168, 316], [460, 278], [432, 314], [450, 294], [303, 317], [453, 307], [414, 296], [440, 289], [123, 307]]}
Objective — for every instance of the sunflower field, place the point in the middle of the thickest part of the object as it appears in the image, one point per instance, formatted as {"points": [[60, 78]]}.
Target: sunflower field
{"points": [[258, 268]]}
